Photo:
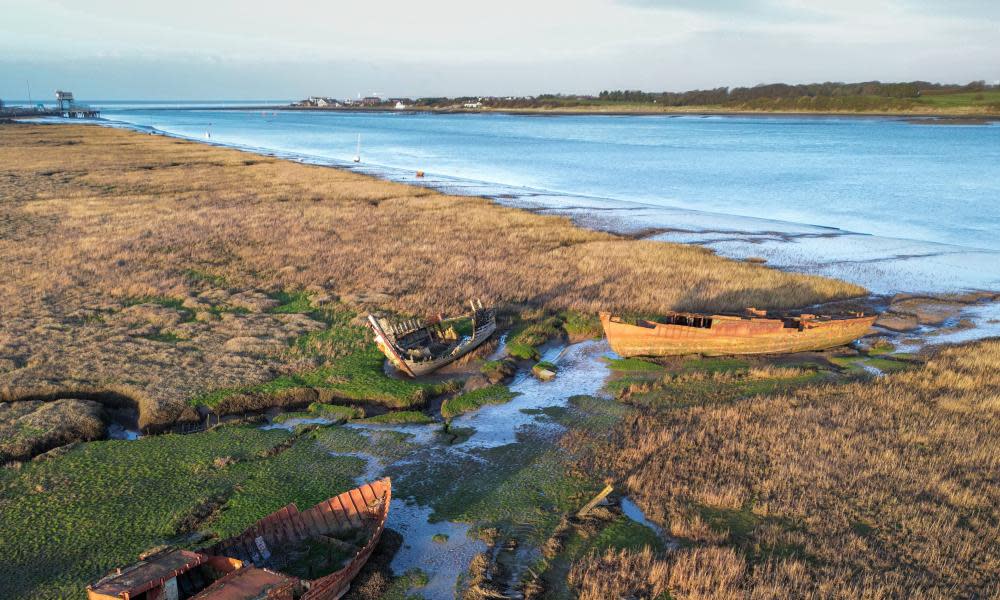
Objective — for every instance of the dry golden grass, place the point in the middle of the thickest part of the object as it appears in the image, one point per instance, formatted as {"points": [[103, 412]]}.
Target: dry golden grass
{"points": [[32, 427], [620, 574], [92, 218], [880, 489]]}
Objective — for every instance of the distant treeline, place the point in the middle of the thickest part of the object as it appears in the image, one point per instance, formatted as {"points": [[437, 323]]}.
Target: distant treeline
{"points": [[783, 91], [869, 95]]}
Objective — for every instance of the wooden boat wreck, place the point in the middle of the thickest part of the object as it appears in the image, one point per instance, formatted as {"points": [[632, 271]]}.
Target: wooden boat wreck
{"points": [[418, 347], [714, 335], [288, 555]]}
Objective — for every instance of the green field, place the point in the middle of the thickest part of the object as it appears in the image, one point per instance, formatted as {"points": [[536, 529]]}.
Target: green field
{"points": [[989, 98]]}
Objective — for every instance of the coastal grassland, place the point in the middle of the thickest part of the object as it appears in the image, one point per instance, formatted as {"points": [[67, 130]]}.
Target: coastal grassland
{"points": [[69, 519], [166, 271], [876, 488]]}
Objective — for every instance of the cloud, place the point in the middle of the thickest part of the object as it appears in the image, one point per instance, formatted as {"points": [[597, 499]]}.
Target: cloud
{"points": [[248, 49]]}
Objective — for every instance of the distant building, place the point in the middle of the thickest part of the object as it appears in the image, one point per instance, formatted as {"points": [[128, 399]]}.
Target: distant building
{"points": [[371, 101], [64, 100], [473, 105], [320, 101]]}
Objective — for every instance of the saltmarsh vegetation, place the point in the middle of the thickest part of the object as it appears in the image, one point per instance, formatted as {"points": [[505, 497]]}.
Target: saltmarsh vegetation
{"points": [[474, 400], [874, 487], [341, 365], [244, 295], [233, 232], [71, 518]]}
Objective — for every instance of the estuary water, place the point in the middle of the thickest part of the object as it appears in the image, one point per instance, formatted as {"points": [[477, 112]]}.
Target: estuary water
{"points": [[889, 203]]}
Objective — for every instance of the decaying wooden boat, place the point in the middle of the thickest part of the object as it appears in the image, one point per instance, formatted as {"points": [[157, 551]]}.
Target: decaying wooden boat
{"points": [[419, 347], [288, 555], [714, 335]]}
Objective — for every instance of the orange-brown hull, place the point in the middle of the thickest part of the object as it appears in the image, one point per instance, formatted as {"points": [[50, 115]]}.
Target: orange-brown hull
{"points": [[730, 336], [368, 503]]}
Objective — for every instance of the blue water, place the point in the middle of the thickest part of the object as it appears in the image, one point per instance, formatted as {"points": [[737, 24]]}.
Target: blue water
{"points": [[915, 191]]}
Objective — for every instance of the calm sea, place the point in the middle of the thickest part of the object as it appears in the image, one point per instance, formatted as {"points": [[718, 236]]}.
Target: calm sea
{"points": [[885, 202]]}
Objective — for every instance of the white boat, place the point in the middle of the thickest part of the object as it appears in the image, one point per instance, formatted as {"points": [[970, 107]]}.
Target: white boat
{"points": [[357, 154]]}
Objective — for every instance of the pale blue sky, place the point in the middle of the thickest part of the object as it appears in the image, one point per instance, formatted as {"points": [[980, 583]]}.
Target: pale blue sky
{"points": [[201, 49]]}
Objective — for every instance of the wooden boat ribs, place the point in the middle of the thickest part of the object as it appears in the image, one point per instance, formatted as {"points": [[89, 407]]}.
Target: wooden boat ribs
{"points": [[418, 347], [287, 555]]}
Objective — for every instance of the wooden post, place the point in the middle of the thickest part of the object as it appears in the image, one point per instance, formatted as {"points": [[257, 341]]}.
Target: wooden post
{"points": [[595, 501]]}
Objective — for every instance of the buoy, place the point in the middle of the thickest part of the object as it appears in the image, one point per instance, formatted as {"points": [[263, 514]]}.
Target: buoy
{"points": [[420, 174]]}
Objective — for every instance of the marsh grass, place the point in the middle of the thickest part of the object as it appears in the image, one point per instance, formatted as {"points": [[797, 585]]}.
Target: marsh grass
{"points": [[92, 219], [875, 487], [632, 365], [349, 368], [471, 401], [402, 417]]}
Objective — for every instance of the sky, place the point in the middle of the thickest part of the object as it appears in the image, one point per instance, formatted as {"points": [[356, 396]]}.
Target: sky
{"points": [[253, 49]]}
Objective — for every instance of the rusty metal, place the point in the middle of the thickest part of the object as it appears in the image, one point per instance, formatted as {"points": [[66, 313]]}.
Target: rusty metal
{"points": [[715, 335]]}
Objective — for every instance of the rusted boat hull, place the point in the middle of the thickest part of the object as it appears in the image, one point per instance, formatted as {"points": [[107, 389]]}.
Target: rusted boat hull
{"points": [[730, 336]]}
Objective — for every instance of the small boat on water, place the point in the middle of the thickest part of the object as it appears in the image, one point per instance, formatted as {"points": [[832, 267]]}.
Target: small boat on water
{"points": [[419, 347], [714, 335], [357, 153], [288, 555]]}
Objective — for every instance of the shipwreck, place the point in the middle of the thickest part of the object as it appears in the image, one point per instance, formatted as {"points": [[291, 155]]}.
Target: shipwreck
{"points": [[288, 555], [417, 347], [713, 335]]}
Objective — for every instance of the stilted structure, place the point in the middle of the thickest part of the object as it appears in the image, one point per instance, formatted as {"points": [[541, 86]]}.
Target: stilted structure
{"points": [[68, 108]]}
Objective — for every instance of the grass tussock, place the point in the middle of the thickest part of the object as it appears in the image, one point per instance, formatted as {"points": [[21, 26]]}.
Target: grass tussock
{"points": [[620, 574], [31, 427], [877, 489], [471, 401]]}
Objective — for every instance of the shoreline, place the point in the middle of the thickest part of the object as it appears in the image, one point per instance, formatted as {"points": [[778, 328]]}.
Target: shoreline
{"points": [[175, 246], [960, 117], [792, 246]]}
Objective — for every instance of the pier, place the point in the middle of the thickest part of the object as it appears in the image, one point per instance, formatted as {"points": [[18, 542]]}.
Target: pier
{"points": [[65, 107], [69, 109]]}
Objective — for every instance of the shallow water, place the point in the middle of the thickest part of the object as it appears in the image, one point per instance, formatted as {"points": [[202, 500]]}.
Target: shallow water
{"points": [[442, 561], [885, 203], [580, 373], [980, 321], [119, 432], [632, 511]]}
